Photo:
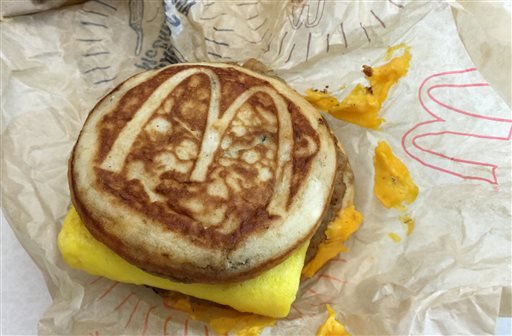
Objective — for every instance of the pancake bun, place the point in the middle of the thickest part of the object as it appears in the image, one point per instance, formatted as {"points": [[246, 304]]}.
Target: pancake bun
{"points": [[204, 172]]}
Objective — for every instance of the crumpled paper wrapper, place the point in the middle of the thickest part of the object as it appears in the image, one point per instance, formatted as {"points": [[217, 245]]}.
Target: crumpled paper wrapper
{"points": [[22, 7], [446, 120]]}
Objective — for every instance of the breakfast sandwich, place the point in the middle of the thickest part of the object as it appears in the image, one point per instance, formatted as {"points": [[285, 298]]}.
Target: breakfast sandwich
{"points": [[208, 179]]}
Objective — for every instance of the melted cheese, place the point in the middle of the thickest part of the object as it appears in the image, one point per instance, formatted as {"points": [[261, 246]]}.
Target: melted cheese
{"points": [[408, 221], [346, 223], [363, 104], [393, 184], [396, 238], [221, 319], [271, 293], [331, 327]]}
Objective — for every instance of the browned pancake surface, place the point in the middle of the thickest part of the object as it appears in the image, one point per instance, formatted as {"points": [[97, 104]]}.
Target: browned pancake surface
{"points": [[193, 172]]}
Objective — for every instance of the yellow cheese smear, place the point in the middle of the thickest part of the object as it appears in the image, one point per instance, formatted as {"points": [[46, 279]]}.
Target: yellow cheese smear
{"points": [[271, 293], [331, 327], [221, 319], [393, 183], [346, 223], [396, 238], [363, 104], [408, 221]]}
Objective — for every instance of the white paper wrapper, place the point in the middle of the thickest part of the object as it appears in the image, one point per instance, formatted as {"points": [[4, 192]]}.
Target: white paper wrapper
{"points": [[445, 278]]}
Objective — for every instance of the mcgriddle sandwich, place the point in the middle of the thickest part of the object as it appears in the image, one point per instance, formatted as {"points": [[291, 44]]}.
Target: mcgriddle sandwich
{"points": [[207, 179]]}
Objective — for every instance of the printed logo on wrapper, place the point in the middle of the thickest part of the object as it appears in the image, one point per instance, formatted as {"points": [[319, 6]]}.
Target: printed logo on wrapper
{"points": [[451, 122], [161, 51], [151, 29], [138, 315], [145, 316], [134, 313], [246, 29]]}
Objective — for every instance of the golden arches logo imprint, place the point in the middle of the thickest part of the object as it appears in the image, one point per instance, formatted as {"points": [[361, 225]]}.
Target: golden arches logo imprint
{"points": [[214, 131]]}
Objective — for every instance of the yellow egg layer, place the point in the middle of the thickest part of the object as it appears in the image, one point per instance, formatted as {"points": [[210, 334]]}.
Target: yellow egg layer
{"points": [[271, 293]]}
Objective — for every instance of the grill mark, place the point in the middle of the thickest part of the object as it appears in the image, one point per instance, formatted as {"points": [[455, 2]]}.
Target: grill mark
{"points": [[125, 110]]}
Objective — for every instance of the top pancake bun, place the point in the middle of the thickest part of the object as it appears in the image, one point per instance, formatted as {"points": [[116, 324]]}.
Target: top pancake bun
{"points": [[205, 172]]}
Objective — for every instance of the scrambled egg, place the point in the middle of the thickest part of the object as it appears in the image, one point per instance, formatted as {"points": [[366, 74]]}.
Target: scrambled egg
{"points": [[346, 223], [221, 319], [331, 327], [362, 105], [271, 293], [393, 183]]}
